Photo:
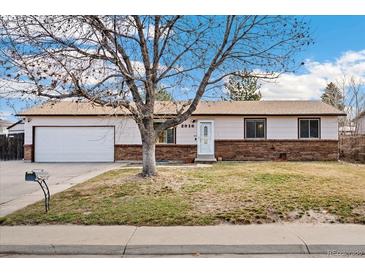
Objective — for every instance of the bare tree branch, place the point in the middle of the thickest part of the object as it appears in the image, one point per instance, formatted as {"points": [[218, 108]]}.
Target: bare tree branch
{"points": [[120, 61]]}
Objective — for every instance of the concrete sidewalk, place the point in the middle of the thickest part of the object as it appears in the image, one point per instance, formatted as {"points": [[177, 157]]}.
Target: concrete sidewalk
{"points": [[321, 239]]}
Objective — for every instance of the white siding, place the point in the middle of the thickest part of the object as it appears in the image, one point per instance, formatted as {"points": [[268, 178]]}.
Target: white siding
{"points": [[186, 135], [287, 127], [226, 127], [126, 130], [329, 128], [278, 127]]}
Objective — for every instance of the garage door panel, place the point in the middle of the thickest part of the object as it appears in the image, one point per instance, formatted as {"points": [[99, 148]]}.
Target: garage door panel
{"points": [[74, 144]]}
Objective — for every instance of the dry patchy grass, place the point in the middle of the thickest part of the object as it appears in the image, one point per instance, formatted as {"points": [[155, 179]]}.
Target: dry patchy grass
{"points": [[251, 192]]}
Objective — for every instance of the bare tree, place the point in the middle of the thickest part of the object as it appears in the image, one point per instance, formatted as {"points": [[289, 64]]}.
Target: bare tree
{"points": [[113, 60], [353, 93], [356, 100]]}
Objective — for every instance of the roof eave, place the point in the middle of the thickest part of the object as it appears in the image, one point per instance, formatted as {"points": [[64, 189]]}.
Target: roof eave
{"points": [[194, 114], [13, 125]]}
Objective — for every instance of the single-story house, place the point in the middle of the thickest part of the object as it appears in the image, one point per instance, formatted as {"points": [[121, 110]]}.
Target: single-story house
{"points": [[347, 130], [241, 130]]}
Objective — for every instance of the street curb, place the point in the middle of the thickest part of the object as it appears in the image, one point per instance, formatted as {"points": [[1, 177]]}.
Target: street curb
{"points": [[354, 250], [63, 249], [334, 249], [214, 249]]}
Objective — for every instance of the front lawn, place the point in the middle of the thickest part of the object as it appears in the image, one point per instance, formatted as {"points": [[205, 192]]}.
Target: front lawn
{"points": [[236, 193]]}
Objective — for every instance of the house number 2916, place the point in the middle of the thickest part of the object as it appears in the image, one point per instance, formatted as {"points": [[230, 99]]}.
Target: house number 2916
{"points": [[187, 125]]}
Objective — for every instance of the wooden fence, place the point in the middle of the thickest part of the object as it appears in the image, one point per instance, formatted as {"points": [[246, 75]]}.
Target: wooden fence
{"points": [[11, 147], [352, 148]]}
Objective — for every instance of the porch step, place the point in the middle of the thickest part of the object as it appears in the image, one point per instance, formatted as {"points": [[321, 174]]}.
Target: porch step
{"points": [[205, 159]]}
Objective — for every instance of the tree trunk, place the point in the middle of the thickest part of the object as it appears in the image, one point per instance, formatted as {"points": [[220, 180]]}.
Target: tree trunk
{"points": [[149, 161], [148, 151]]}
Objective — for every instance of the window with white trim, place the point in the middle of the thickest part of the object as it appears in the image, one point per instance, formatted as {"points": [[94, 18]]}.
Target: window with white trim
{"points": [[167, 136], [309, 128], [255, 128]]}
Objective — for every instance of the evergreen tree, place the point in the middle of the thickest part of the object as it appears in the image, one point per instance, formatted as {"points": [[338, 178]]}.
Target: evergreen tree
{"points": [[243, 88], [332, 95], [163, 95]]}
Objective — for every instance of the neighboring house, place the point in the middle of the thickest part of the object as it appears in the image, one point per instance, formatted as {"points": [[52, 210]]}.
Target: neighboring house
{"points": [[361, 123], [257, 130], [16, 128], [347, 130], [4, 124]]}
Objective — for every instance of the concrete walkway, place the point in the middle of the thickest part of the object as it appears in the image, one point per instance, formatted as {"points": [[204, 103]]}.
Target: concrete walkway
{"points": [[322, 239]]}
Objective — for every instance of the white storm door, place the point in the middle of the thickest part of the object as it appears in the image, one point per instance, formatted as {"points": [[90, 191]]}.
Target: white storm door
{"points": [[205, 138]]}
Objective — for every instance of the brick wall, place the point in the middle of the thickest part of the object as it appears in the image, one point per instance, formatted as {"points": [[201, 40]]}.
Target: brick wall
{"points": [[352, 148], [168, 152], [238, 150], [291, 150], [28, 153]]}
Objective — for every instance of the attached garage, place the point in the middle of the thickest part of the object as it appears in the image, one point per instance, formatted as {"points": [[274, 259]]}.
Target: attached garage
{"points": [[74, 144]]}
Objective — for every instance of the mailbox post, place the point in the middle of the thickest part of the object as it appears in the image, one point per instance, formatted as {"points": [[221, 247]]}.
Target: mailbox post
{"points": [[40, 176]]}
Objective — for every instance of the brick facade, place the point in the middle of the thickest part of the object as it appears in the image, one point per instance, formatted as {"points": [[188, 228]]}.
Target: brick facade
{"points": [[241, 150], [237, 150], [28, 153], [164, 152], [266, 150]]}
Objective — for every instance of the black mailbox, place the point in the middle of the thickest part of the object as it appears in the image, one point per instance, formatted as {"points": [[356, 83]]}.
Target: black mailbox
{"points": [[36, 175], [40, 176], [30, 176]]}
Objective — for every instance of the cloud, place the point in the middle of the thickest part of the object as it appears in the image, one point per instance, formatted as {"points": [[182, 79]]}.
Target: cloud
{"points": [[6, 115], [10, 89], [310, 84]]}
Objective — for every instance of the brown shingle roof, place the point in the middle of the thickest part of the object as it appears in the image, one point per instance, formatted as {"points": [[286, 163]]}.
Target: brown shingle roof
{"points": [[282, 108]]}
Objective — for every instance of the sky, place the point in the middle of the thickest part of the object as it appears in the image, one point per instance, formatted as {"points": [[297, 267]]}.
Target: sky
{"points": [[339, 50]]}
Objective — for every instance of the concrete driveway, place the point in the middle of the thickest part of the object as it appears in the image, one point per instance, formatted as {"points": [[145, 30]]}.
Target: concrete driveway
{"points": [[15, 193]]}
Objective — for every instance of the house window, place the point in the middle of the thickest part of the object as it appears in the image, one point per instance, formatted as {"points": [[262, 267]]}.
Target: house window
{"points": [[255, 128], [166, 137], [309, 128]]}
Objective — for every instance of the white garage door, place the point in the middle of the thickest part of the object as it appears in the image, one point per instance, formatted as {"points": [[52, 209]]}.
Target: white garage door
{"points": [[74, 144]]}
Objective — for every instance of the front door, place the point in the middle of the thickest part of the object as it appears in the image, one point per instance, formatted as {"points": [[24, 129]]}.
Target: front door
{"points": [[205, 138]]}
